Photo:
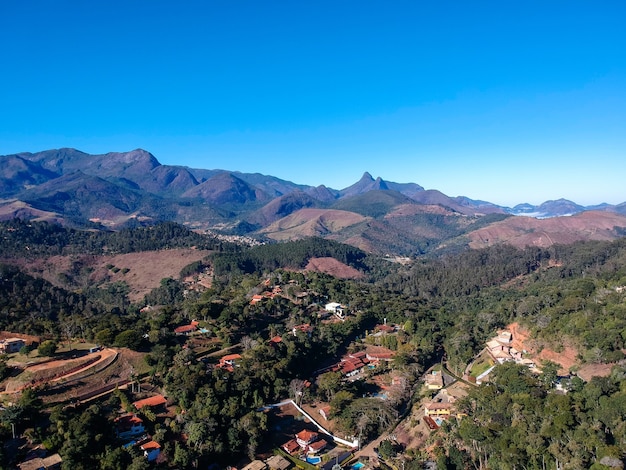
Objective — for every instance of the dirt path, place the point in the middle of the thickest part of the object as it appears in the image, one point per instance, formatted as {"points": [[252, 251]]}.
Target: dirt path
{"points": [[16, 385]]}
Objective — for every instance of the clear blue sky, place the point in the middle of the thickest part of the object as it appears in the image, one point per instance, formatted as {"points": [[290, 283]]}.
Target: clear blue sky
{"points": [[508, 102]]}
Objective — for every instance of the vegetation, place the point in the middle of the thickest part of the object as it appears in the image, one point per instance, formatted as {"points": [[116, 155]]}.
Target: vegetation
{"points": [[447, 307]]}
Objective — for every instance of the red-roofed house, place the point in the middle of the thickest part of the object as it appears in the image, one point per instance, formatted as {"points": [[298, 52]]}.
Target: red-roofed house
{"points": [[379, 353], [275, 340], [152, 402], [186, 329], [316, 446], [291, 447], [255, 299], [151, 450], [385, 328], [305, 437], [305, 328], [229, 362], [129, 426], [437, 409]]}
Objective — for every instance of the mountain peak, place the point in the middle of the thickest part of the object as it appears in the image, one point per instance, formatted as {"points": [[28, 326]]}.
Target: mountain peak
{"points": [[365, 184], [366, 177]]}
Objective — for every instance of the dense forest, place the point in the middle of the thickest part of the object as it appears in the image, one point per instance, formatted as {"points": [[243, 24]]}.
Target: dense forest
{"points": [[34, 239], [447, 307]]}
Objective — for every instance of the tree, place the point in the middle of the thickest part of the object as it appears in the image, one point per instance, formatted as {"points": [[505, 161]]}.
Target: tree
{"points": [[387, 450], [128, 339], [329, 383], [47, 348]]}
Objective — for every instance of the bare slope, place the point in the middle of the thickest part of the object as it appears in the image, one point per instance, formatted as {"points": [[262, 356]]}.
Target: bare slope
{"points": [[311, 222], [527, 231], [142, 271]]}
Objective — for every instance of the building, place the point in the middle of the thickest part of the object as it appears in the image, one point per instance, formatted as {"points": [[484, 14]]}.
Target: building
{"points": [[291, 447], [11, 345], [129, 426], [335, 308], [229, 362], [186, 329], [379, 353], [438, 409], [151, 450], [304, 328], [151, 402], [278, 462], [52, 462], [255, 465], [325, 412], [306, 437], [434, 380]]}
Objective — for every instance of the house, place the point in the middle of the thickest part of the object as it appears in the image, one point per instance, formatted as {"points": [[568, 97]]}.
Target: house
{"points": [[335, 308], [151, 402], [275, 340], [278, 462], [52, 462], [291, 447], [379, 353], [317, 446], [325, 412], [229, 362], [186, 329], [439, 409], [151, 450], [434, 380], [255, 465], [256, 299], [11, 345], [305, 328], [129, 426], [505, 337], [385, 328], [306, 437]]}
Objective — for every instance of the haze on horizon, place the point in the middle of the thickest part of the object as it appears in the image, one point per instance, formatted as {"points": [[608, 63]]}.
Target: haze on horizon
{"points": [[504, 103]]}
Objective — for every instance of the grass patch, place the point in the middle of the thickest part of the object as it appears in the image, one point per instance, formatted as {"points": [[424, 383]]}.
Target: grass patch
{"points": [[482, 363]]}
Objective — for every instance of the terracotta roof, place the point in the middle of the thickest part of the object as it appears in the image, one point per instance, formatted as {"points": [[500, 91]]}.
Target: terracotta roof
{"points": [[291, 446], [379, 352], [156, 400], [317, 445], [306, 436], [127, 421], [438, 406], [150, 445], [185, 329], [230, 357], [385, 328]]}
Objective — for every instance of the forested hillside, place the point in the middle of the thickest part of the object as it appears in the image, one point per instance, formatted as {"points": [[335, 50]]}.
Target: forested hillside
{"points": [[35, 239], [445, 309]]}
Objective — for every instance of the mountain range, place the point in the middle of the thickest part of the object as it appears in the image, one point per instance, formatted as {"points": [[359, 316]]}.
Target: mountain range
{"points": [[121, 189]]}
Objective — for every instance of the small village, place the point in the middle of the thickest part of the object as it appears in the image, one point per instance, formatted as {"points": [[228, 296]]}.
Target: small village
{"points": [[302, 430]]}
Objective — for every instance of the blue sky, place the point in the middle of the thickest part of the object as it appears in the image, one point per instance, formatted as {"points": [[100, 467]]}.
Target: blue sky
{"points": [[503, 102]]}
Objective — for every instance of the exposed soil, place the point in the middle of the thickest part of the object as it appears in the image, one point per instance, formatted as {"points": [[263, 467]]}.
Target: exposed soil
{"points": [[523, 231], [333, 267], [142, 271], [57, 370], [567, 358], [311, 222]]}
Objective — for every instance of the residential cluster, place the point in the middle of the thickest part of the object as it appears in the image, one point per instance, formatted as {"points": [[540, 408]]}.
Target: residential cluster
{"points": [[130, 428]]}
